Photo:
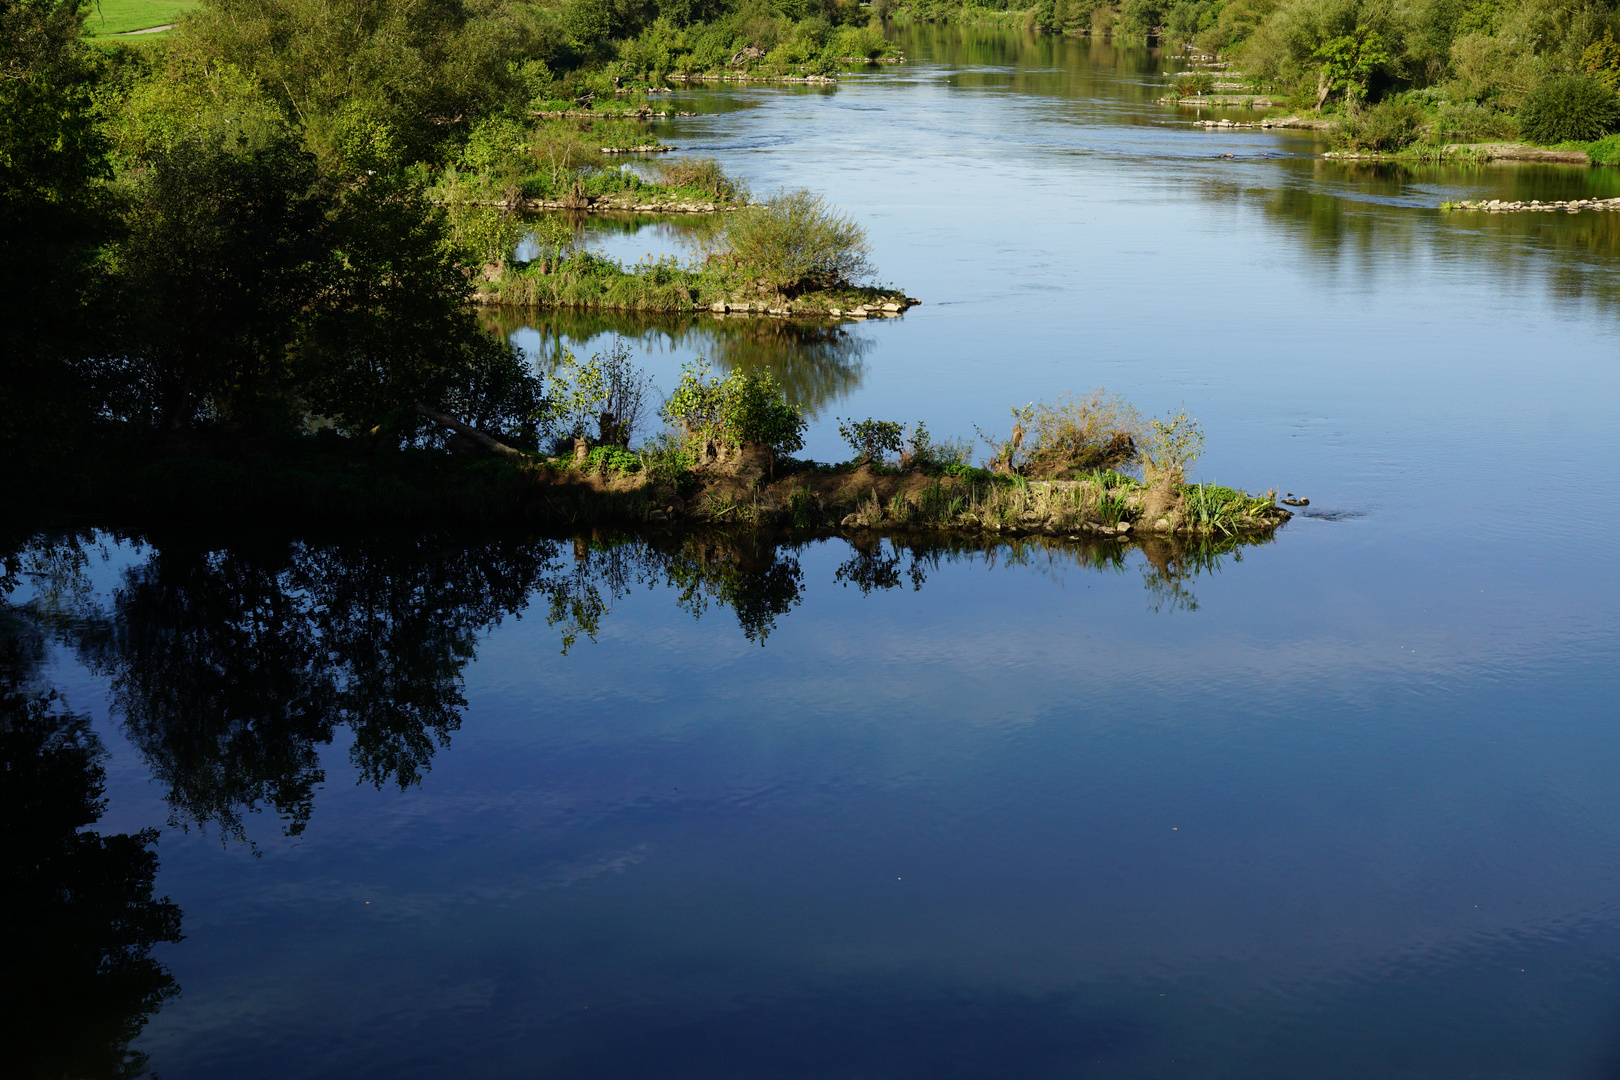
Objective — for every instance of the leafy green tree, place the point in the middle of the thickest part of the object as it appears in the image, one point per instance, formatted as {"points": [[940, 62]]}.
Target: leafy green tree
{"points": [[795, 241], [745, 407], [1349, 61], [420, 66]]}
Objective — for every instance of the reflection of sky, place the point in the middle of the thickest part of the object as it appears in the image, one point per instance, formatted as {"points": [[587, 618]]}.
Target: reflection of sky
{"points": [[1284, 824], [1354, 816]]}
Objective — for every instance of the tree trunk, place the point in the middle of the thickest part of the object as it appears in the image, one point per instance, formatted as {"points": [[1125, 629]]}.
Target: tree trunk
{"points": [[493, 445]]}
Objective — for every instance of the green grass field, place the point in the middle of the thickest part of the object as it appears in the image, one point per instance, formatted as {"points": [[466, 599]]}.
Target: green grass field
{"points": [[122, 16]]}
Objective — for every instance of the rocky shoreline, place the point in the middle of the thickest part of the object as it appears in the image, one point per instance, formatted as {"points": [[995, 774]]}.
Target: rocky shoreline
{"points": [[1498, 206], [620, 203], [1305, 122], [883, 307], [745, 77]]}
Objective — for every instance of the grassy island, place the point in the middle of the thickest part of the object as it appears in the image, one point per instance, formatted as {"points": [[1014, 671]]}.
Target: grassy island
{"points": [[1080, 468], [789, 255]]}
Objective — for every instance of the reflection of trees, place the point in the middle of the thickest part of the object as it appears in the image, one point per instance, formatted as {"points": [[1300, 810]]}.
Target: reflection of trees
{"points": [[816, 363], [1045, 65], [1557, 252], [749, 573], [78, 982], [1170, 565], [230, 667]]}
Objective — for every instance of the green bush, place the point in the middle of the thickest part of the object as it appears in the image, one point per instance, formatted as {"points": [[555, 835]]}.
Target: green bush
{"points": [[873, 440], [1385, 127], [1467, 122], [1194, 83], [1571, 108], [795, 241], [702, 174], [1606, 151], [745, 407]]}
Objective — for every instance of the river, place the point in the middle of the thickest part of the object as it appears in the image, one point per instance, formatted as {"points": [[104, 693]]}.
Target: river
{"points": [[1340, 804]]}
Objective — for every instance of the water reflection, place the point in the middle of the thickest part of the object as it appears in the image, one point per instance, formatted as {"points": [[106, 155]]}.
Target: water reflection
{"points": [[229, 667], [79, 982], [816, 363]]}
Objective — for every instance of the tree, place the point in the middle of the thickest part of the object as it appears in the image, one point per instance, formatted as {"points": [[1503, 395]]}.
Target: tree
{"points": [[795, 241], [54, 217]]}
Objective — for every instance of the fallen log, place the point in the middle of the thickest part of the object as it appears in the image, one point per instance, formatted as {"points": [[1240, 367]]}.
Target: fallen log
{"points": [[488, 442]]}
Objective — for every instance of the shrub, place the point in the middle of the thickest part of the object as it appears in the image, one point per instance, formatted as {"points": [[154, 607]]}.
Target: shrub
{"points": [[1173, 447], [1195, 82], [1469, 121], [1571, 108], [796, 241], [1606, 151], [742, 408], [1385, 127], [872, 439], [607, 392], [858, 42], [1098, 431], [703, 174]]}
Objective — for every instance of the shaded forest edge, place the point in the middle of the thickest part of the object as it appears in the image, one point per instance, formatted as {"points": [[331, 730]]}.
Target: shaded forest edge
{"points": [[1082, 467]]}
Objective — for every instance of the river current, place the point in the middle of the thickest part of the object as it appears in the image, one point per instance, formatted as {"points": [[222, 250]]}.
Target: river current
{"points": [[1340, 804]]}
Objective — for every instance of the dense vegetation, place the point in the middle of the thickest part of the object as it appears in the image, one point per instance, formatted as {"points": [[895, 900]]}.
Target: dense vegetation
{"points": [[1477, 69], [272, 218]]}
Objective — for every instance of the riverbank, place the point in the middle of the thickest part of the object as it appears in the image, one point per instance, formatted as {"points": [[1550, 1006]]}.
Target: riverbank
{"points": [[1477, 153], [586, 281], [340, 480]]}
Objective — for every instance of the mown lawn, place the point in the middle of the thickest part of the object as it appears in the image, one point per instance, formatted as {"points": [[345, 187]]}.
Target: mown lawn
{"points": [[122, 16]]}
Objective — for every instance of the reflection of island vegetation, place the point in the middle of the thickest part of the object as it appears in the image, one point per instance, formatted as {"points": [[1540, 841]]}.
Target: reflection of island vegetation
{"points": [[814, 363], [230, 667], [79, 982], [1553, 250]]}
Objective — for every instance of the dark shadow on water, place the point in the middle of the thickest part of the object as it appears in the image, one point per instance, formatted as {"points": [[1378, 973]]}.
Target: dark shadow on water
{"points": [[77, 979]]}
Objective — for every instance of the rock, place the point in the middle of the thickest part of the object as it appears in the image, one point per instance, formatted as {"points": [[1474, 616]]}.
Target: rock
{"points": [[835, 312], [1123, 527], [850, 521], [657, 516], [717, 306], [891, 307]]}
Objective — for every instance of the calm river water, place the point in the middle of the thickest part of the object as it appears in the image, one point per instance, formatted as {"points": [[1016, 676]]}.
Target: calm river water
{"points": [[1344, 804]]}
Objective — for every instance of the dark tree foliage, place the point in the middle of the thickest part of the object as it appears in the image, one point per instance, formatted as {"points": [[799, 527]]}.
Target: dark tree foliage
{"points": [[226, 251], [53, 220], [261, 287], [77, 915]]}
